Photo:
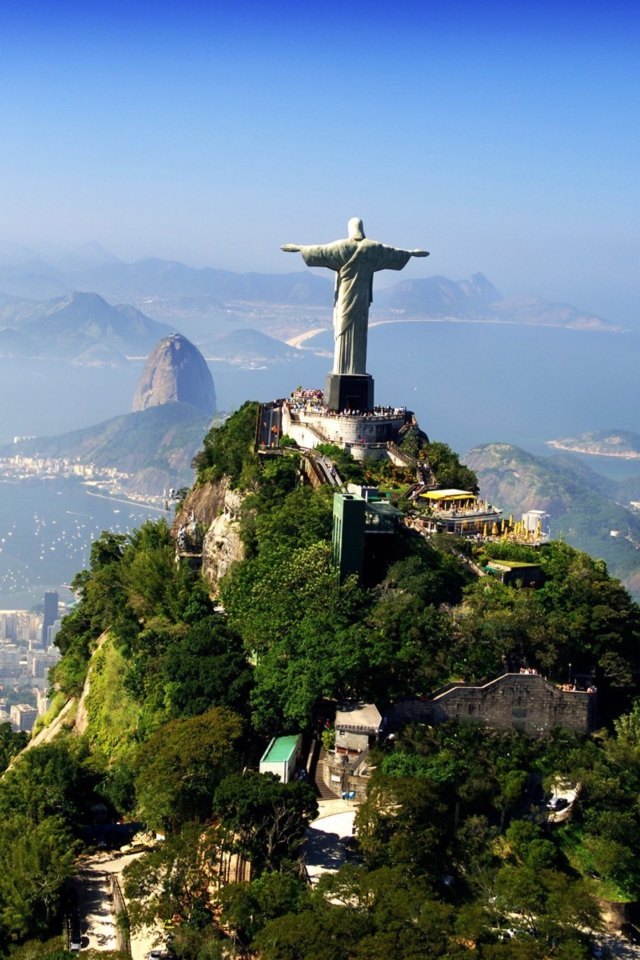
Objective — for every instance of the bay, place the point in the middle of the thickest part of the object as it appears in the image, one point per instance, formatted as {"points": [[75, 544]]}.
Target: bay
{"points": [[46, 531], [468, 383]]}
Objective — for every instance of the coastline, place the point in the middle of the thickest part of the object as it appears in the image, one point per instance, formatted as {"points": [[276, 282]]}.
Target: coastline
{"points": [[300, 339], [129, 503], [558, 445]]}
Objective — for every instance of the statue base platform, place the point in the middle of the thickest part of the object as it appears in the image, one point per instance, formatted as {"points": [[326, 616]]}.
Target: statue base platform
{"points": [[344, 391]]}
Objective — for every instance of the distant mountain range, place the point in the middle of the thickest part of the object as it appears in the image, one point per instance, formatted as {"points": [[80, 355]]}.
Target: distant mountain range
{"points": [[602, 443], [154, 278], [275, 303], [247, 344], [81, 327], [155, 446], [585, 506], [478, 299]]}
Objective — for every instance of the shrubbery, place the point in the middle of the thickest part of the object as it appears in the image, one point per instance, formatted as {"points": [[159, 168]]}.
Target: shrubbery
{"points": [[183, 698]]}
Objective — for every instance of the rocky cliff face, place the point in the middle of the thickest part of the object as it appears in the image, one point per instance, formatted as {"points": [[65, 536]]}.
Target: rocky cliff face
{"points": [[214, 505], [222, 544], [175, 372]]}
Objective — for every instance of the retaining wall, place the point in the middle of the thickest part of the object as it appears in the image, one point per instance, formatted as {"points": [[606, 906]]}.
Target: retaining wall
{"points": [[524, 702]]}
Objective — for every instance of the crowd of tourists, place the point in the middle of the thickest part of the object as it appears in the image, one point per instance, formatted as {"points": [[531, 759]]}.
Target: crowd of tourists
{"points": [[309, 401]]}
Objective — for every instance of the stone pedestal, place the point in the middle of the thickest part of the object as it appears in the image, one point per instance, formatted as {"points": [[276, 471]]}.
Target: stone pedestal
{"points": [[348, 392]]}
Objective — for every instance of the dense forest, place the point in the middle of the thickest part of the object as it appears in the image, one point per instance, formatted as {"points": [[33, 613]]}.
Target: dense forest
{"points": [[453, 849]]}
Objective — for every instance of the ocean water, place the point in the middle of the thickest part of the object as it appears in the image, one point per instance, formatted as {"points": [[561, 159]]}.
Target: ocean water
{"points": [[46, 531], [45, 397], [482, 383], [473, 383], [468, 384]]}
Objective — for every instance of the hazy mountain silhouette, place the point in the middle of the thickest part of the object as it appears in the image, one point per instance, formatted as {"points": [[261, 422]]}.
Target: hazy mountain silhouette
{"points": [[67, 327], [169, 278], [248, 344], [438, 296], [170, 288]]}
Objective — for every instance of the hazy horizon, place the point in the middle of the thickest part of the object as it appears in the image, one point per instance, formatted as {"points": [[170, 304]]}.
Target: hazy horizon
{"points": [[503, 139]]}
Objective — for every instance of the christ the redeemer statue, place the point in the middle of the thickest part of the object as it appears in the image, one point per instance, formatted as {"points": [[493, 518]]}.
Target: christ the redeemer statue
{"points": [[355, 260]]}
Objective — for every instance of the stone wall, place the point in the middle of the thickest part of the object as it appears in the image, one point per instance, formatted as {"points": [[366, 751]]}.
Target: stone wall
{"points": [[348, 432], [524, 702], [339, 775]]}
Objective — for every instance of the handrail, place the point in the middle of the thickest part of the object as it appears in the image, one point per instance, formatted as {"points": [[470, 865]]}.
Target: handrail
{"points": [[358, 761], [123, 939], [406, 458]]}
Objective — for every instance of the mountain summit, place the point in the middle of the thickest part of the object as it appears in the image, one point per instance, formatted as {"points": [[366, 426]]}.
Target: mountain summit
{"points": [[175, 372]]}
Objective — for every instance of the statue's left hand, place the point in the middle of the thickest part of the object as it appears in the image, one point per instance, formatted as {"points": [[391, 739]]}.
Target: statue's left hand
{"points": [[290, 248], [419, 253]]}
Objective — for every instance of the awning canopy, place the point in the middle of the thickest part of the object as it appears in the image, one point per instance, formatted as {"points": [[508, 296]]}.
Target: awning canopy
{"points": [[448, 495]]}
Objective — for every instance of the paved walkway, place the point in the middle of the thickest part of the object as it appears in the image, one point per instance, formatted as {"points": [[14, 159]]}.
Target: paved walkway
{"points": [[619, 947], [325, 848], [97, 923]]}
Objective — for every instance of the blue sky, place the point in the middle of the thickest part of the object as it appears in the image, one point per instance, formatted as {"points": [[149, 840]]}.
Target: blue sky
{"points": [[503, 137]]}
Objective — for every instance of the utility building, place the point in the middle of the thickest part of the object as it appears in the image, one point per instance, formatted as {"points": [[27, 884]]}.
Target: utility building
{"points": [[357, 525], [348, 533], [281, 757]]}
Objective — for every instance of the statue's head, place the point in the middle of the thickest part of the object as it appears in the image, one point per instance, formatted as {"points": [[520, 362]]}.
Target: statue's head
{"points": [[356, 230]]}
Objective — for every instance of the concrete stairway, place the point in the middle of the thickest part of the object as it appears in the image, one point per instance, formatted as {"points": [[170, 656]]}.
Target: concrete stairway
{"points": [[324, 792]]}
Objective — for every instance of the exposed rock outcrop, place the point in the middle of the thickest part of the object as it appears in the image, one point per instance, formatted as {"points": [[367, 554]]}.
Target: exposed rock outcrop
{"points": [[222, 543], [205, 503], [64, 721], [175, 372], [217, 508]]}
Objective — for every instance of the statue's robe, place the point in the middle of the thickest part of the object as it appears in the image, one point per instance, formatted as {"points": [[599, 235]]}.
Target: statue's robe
{"points": [[355, 262]]}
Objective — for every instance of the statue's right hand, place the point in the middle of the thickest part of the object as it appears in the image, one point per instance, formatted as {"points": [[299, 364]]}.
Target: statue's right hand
{"points": [[291, 248]]}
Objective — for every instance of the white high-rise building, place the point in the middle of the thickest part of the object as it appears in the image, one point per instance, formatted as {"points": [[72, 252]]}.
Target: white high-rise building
{"points": [[532, 518], [23, 716]]}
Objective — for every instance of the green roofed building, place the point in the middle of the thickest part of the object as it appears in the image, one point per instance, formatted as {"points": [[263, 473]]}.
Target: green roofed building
{"points": [[281, 757], [512, 571]]}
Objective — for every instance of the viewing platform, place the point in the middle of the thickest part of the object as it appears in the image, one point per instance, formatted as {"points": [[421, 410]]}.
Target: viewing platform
{"points": [[366, 435], [457, 511]]}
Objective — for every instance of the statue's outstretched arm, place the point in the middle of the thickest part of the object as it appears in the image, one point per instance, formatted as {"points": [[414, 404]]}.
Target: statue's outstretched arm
{"points": [[291, 248]]}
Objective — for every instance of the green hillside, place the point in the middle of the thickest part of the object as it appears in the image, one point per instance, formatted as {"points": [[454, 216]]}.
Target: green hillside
{"points": [[156, 446], [453, 850], [584, 506]]}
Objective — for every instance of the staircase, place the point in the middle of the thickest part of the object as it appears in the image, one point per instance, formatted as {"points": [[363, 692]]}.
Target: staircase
{"points": [[324, 792]]}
